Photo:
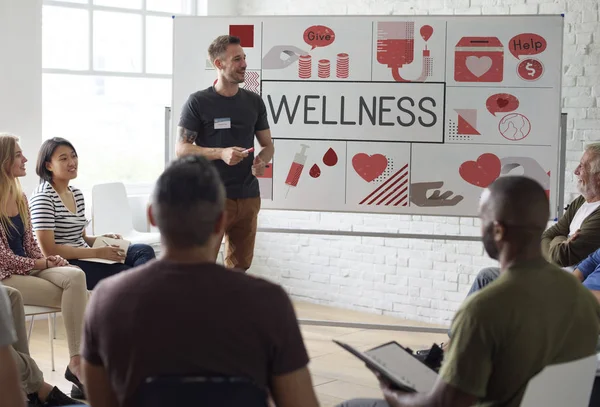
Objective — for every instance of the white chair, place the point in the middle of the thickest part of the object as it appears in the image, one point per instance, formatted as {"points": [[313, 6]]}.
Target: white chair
{"points": [[566, 384], [221, 255], [32, 311], [111, 213]]}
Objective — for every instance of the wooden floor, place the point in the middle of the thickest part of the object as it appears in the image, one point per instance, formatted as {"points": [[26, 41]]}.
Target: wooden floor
{"points": [[337, 375]]}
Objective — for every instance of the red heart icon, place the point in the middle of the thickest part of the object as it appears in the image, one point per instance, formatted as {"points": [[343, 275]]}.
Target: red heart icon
{"points": [[482, 172], [502, 102], [369, 167]]}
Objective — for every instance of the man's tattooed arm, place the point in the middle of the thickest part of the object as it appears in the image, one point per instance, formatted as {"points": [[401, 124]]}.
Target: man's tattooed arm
{"points": [[187, 136], [186, 146]]}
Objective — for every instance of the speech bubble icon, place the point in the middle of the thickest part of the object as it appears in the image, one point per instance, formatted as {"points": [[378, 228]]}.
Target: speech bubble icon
{"points": [[319, 36], [502, 102], [527, 44]]}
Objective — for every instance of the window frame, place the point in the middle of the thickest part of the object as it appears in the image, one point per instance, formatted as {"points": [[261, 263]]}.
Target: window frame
{"points": [[132, 188]]}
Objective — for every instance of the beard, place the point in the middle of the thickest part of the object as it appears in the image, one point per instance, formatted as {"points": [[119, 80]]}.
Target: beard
{"points": [[581, 187], [233, 78], [587, 190], [488, 242]]}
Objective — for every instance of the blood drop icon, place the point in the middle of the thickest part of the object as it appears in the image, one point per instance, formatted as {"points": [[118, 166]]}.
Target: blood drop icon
{"points": [[315, 171], [426, 32], [330, 158]]}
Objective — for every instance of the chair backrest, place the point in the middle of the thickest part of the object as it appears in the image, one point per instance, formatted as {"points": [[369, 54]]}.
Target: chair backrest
{"points": [[209, 391], [111, 212], [566, 384]]}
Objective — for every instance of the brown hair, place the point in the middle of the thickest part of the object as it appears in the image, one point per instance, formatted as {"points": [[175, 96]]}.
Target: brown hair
{"points": [[219, 46]]}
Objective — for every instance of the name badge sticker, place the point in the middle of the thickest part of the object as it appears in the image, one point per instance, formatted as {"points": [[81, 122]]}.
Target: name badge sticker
{"points": [[223, 123]]}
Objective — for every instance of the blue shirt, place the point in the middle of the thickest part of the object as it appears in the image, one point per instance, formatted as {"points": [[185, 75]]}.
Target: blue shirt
{"points": [[590, 264], [15, 237], [590, 268]]}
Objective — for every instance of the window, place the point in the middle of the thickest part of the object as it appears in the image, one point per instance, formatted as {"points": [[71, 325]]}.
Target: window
{"points": [[135, 4], [107, 68], [169, 6], [117, 39], [159, 44], [65, 45], [116, 124]]}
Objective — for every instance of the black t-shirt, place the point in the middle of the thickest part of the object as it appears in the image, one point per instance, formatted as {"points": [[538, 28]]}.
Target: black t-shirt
{"points": [[246, 113], [15, 236]]}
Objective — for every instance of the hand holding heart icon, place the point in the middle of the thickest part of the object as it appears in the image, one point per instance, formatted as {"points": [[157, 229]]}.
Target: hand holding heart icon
{"points": [[420, 196]]}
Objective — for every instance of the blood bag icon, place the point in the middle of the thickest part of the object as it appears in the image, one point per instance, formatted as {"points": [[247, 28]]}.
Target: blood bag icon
{"points": [[396, 48]]}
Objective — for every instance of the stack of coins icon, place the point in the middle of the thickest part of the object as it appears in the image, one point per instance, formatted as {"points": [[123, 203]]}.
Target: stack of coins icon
{"points": [[343, 66], [324, 68], [304, 66]]}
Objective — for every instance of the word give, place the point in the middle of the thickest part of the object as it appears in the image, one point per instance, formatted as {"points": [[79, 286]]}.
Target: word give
{"points": [[319, 36]]}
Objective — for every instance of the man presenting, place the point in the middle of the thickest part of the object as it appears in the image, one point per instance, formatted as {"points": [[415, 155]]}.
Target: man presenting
{"points": [[220, 123]]}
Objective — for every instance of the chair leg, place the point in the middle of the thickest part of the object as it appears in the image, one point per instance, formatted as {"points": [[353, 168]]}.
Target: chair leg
{"points": [[51, 335], [222, 254], [30, 328], [54, 324]]}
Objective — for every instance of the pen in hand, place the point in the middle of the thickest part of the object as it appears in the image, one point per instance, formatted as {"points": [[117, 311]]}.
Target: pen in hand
{"points": [[109, 245]]}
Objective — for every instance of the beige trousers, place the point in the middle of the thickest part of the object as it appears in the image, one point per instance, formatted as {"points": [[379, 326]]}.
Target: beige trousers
{"points": [[61, 287], [30, 374]]}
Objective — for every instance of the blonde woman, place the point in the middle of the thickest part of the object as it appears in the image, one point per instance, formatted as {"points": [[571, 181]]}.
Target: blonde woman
{"points": [[46, 281]]}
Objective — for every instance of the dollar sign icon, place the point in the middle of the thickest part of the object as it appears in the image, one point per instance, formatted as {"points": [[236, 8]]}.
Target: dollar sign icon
{"points": [[530, 69]]}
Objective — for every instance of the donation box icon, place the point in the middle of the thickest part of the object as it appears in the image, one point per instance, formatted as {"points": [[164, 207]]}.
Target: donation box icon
{"points": [[479, 59]]}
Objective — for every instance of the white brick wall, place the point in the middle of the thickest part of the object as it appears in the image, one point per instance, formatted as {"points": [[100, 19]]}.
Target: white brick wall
{"points": [[420, 280]]}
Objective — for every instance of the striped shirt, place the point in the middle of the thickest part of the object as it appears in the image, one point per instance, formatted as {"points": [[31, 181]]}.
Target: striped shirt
{"points": [[48, 212]]}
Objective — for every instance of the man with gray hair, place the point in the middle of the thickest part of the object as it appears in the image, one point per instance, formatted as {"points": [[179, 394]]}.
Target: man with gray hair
{"points": [[577, 233]]}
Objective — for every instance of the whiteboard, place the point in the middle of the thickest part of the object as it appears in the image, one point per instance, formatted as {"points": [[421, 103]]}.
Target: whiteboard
{"points": [[392, 114]]}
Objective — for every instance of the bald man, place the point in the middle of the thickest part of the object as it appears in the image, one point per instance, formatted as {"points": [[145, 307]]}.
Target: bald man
{"points": [[534, 315]]}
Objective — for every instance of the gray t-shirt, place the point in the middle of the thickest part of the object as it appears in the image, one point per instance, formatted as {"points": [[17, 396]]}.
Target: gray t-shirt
{"points": [[223, 122], [8, 336]]}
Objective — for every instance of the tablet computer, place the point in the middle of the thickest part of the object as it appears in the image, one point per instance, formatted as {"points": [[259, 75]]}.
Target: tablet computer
{"points": [[379, 367]]}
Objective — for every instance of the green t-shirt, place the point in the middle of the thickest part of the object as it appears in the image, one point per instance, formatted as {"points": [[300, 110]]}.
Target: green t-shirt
{"points": [[535, 314]]}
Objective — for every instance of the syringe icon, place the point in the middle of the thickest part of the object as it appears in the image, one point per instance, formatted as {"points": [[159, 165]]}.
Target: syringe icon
{"points": [[296, 169]]}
